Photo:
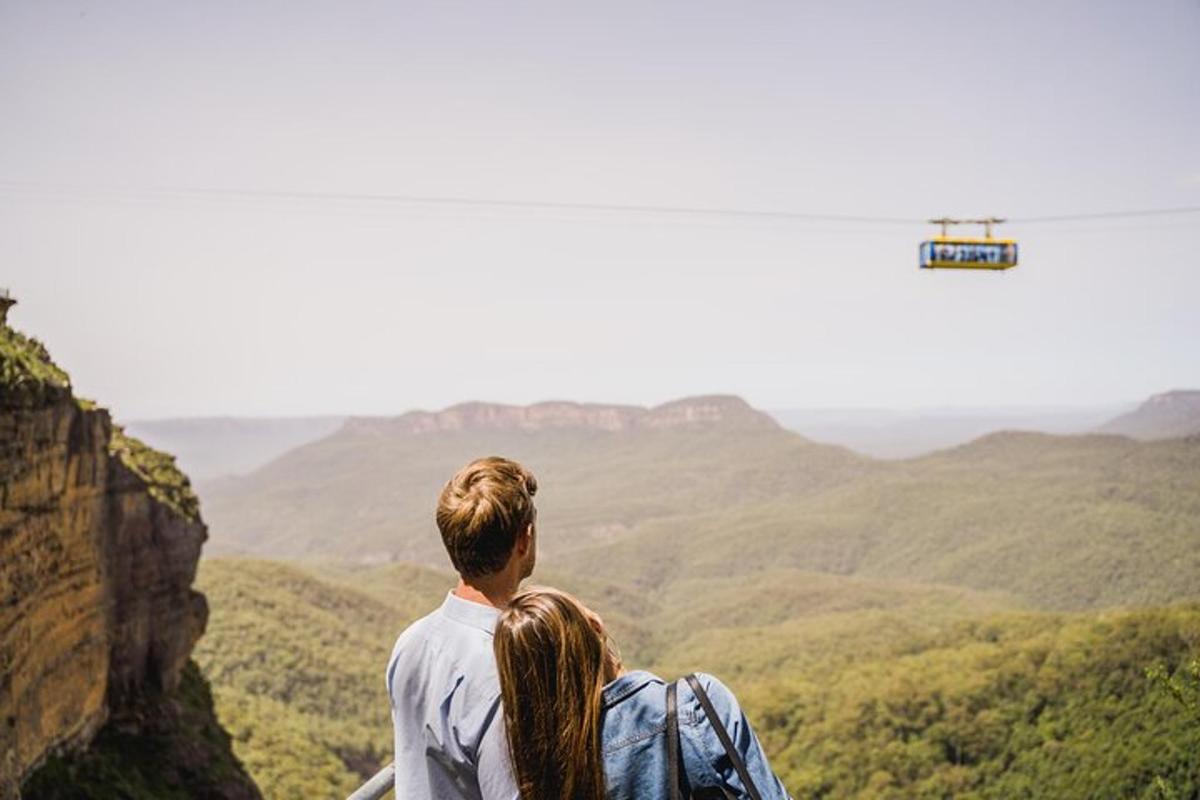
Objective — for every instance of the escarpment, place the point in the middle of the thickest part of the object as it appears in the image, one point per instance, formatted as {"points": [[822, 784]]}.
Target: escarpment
{"points": [[100, 537], [727, 412]]}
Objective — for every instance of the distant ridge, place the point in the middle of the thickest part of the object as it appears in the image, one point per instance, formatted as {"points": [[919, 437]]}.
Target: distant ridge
{"points": [[896, 433], [709, 486], [1032, 444], [723, 411], [213, 447], [1169, 415]]}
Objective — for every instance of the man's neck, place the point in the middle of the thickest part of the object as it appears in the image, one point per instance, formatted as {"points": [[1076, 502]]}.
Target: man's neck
{"points": [[493, 590]]}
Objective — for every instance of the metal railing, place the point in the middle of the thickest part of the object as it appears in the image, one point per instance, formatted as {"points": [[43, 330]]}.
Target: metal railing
{"points": [[379, 785]]}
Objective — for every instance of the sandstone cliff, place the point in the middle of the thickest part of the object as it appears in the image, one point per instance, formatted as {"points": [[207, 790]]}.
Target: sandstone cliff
{"points": [[99, 541], [730, 413]]}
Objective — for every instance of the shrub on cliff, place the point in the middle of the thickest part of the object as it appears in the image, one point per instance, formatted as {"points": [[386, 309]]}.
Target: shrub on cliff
{"points": [[165, 482], [28, 376]]}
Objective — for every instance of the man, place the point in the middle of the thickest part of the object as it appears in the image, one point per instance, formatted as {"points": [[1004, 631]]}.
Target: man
{"points": [[445, 694]]}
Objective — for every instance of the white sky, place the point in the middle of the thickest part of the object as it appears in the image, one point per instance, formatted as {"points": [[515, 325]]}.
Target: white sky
{"points": [[161, 301]]}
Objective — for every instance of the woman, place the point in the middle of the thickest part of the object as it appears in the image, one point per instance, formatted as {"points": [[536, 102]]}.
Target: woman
{"points": [[580, 728]]}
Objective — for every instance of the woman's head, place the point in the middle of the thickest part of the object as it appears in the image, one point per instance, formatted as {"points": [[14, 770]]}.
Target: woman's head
{"points": [[553, 657]]}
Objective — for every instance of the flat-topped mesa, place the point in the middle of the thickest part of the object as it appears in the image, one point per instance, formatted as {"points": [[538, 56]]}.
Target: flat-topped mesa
{"points": [[718, 410], [723, 411], [1163, 416], [1182, 398]]}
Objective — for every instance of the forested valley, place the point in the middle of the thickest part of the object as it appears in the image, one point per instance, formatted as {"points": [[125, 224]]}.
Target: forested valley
{"points": [[1016, 617]]}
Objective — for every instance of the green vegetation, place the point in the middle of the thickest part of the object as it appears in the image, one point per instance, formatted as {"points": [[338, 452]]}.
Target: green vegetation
{"points": [[920, 629], [860, 688], [297, 660], [1003, 706], [1182, 684], [28, 376], [165, 482], [1062, 522], [179, 753]]}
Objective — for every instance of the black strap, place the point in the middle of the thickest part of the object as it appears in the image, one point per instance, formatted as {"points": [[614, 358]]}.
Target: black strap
{"points": [[723, 735], [673, 742]]}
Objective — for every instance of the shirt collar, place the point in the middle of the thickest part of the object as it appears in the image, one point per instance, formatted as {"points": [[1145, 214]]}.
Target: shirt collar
{"points": [[626, 685], [475, 615]]}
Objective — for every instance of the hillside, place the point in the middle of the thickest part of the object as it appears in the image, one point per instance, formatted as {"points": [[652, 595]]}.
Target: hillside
{"points": [[893, 628], [882, 433], [367, 493], [296, 654], [859, 687], [1164, 416], [296, 662], [878, 704], [1065, 522]]}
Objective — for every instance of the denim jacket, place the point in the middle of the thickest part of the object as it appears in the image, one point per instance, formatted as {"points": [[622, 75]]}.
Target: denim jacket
{"points": [[635, 749]]}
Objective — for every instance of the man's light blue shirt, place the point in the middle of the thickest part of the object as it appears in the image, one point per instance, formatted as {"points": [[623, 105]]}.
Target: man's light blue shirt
{"points": [[446, 712]]}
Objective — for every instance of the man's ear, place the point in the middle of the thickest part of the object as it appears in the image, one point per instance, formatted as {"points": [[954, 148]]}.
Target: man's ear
{"points": [[525, 540]]}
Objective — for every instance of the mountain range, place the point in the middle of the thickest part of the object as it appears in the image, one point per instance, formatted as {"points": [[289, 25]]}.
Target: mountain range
{"points": [[975, 622], [215, 447], [710, 486]]}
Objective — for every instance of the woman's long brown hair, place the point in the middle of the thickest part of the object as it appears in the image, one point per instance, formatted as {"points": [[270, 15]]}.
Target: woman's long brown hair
{"points": [[553, 660]]}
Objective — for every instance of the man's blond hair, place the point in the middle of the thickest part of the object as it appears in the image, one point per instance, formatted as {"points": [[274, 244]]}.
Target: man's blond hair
{"points": [[481, 512]]}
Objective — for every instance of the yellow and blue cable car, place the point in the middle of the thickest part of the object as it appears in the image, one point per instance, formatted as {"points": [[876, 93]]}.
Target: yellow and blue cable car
{"points": [[968, 252]]}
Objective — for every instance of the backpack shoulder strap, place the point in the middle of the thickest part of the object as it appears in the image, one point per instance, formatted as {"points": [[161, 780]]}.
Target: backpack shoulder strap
{"points": [[738, 764], [673, 741]]}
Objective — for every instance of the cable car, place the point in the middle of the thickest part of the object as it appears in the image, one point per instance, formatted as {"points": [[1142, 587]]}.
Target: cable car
{"points": [[968, 252]]}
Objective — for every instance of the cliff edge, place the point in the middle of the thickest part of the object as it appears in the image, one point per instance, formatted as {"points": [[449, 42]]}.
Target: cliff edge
{"points": [[99, 542]]}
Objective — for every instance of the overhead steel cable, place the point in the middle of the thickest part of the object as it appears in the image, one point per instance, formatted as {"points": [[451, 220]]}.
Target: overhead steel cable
{"points": [[479, 202], [1153, 212], [555, 205], [549, 205]]}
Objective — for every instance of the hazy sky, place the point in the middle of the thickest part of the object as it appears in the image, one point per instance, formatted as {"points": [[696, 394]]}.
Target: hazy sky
{"points": [[162, 298]]}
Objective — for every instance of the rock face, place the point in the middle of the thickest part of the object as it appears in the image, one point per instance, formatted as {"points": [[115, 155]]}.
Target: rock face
{"points": [[99, 542]]}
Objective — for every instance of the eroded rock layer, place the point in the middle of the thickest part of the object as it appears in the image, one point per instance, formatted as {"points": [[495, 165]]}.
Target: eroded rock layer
{"points": [[99, 542]]}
